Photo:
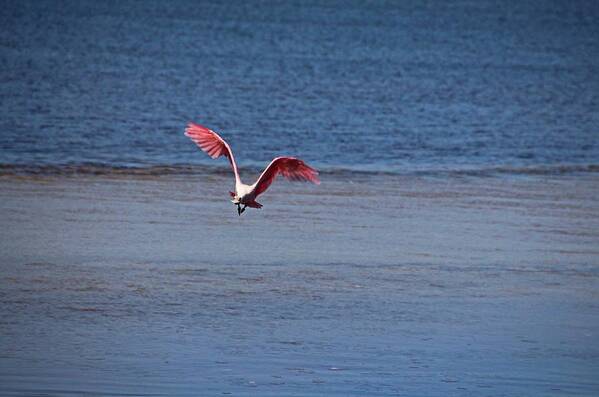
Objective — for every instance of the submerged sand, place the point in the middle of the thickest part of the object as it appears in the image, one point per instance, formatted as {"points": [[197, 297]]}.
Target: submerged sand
{"points": [[365, 285]]}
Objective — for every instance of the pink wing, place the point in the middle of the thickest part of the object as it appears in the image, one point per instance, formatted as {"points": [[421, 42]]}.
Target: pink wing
{"points": [[210, 142], [291, 168]]}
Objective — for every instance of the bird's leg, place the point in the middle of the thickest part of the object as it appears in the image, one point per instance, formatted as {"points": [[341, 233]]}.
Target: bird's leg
{"points": [[238, 209], [243, 209]]}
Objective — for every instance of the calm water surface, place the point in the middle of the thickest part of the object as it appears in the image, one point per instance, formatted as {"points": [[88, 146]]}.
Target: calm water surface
{"points": [[136, 286]]}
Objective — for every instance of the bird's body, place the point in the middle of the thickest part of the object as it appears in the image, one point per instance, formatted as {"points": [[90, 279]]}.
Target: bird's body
{"points": [[290, 167]]}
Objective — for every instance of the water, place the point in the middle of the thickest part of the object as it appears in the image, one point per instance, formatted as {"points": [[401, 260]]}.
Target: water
{"points": [[121, 285], [451, 248], [380, 86]]}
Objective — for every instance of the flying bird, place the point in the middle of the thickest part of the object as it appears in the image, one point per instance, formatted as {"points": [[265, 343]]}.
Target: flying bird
{"points": [[290, 167]]}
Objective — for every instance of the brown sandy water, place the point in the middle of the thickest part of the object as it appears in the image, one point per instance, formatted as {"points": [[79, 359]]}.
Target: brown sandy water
{"points": [[365, 285]]}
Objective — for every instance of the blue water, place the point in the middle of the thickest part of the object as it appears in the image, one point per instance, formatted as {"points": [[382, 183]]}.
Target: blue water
{"points": [[383, 86], [388, 285]]}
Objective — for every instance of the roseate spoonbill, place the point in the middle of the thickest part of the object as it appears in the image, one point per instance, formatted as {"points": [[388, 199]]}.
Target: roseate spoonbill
{"points": [[290, 167]]}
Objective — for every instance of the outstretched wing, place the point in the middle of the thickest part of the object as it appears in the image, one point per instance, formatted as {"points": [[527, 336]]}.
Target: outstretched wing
{"points": [[291, 168], [210, 142]]}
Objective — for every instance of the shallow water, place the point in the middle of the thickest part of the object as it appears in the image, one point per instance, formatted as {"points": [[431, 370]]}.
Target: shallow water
{"points": [[369, 285]]}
